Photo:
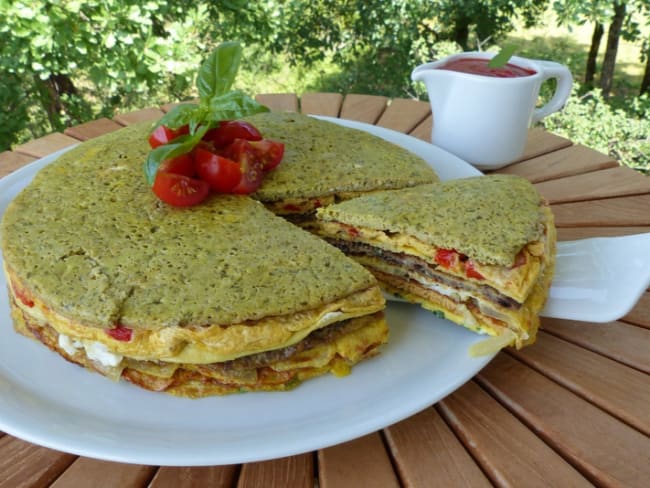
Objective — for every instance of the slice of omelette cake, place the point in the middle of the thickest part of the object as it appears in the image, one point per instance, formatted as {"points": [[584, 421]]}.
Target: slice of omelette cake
{"points": [[325, 163], [479, 251], [218, 298]]}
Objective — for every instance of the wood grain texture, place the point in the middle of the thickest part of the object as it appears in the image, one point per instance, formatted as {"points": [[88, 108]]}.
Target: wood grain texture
{"points": [[640, 314], [279, 102], [361, 462], [509, 453], [328, 104], [144, 115], [624, 343], [363, 108], [25, 465], [424, 449], [620, 390], [568, 161], [541, 142], [575, 233], [192, 477], [423, 129], [403, 115], [612, 182], [294, 471], [11, 161], [41, 147], [624, 211], [602, 448], [92, 129], [93, 473]]}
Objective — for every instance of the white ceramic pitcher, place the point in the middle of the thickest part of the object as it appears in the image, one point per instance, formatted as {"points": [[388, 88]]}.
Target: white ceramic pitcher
{"points": [[484, 120]]}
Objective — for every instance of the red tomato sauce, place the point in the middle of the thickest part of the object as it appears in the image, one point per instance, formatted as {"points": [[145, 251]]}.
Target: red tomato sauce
{"points": [[478, 66]]}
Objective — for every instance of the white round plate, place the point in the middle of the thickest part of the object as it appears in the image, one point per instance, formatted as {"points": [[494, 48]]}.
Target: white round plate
{"points": [[47, 401]]}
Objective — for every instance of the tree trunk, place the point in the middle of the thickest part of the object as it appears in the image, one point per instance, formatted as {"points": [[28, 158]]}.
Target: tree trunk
{"points": [[461, 31], [51, 90], [590, 70], [613, 36], [645, 82]]}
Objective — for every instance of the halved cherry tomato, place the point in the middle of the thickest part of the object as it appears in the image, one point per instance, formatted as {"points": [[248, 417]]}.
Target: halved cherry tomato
{"points": [[229, 130], [446, 258], [471, 272], [180, 165], [163, 135], [120, 333], [180, 190], [222, 174], [250, 167], [268, 152]]}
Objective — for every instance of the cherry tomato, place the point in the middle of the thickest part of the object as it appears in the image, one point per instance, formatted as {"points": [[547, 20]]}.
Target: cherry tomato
{"points": [[446, 258], [163, 134], [222, 174], [180, 165], [471, 271], [120, 333], [22, 295], [268, 152], [250, 167], [229, 130], [180, 190]]}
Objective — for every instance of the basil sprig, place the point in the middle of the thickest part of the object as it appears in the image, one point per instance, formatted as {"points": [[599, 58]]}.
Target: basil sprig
{"points": [[503, 56], [217, 102]]}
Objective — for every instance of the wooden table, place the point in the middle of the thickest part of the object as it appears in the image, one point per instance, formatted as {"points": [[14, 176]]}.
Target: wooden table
{"points": [[571, 410]]}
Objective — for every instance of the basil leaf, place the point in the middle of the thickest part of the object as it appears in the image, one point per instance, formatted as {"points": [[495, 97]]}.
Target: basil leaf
{"points": [[234, 105], [178, 146], [179, 115], [218, 72], [502, 58]]}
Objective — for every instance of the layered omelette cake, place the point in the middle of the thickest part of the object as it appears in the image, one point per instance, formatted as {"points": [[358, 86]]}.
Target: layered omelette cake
{"points": [[218, 298], [325, 163], [478, 251]]}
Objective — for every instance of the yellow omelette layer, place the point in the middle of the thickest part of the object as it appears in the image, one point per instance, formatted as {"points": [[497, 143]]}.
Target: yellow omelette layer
{"points": [[211, 343], [515, 282]]}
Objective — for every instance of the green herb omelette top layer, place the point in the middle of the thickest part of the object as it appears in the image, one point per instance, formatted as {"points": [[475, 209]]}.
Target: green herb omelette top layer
{"points": [[324, 158], [91, 239], [489, 218]]}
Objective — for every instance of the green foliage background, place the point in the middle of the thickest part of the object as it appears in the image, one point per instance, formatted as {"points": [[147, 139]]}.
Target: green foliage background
{"points": [[63, 62]]}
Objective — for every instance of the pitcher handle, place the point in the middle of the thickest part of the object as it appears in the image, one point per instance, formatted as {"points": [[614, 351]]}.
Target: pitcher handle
{"points": [[562, 91]]}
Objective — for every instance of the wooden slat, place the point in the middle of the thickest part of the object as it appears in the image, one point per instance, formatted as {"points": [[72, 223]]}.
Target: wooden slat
{"points": [[622, 391], [279, 102], [427, 452], [26, 465], [423, 129], [510, 454], [144, 115], [612, 182], [90, 473], [575, 233], [625, 343], [361, 462], [209, 476], [603, 448], [92, 129], [541, 142], [291, 471], [45, 145], [11, 161], [363, 108], [568, 161], [624, 211], [404, 115], [640, 314], [328, 104]]}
